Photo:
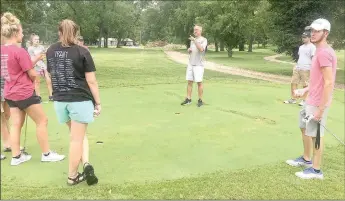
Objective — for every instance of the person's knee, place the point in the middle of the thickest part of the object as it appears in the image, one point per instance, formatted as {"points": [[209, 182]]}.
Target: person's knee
{"points": [[48, 80], [200, 84], [7, 114], [43, 121], [77, 137], [190, 83], [37, 81], [17, 123]]}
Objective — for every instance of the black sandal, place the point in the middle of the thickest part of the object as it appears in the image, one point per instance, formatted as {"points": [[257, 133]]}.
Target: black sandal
{"points": [[78, 179], [89, 173]]}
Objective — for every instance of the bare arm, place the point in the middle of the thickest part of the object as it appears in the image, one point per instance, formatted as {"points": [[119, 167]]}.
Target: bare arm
{"points": [[198, 45], [93, 85], [32, 74], [327, 87], [36, 59]]}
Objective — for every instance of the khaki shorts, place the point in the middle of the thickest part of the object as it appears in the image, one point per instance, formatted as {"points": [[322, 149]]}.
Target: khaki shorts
{"points": [[311, 126], [300, 77], [195, 73]]}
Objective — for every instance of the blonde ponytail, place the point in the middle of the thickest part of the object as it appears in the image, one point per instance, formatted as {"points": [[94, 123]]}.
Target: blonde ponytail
{"points": [[69, 32], [9, 25]]}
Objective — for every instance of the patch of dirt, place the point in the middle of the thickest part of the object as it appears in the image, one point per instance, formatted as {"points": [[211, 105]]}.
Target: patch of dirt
{"points": [[183, 59], [273, 59]]}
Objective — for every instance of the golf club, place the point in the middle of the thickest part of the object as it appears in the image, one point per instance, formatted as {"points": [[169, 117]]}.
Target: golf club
{"points": [[310, 117], [333, 135]]}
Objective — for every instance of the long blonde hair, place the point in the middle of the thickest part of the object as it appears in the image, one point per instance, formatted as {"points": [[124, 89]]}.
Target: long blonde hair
{"points": [[69, 32], [9, 25]]}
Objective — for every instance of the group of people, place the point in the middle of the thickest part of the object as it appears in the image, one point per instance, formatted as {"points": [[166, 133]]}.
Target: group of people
{"points": [[315, 69], [72, 84]]}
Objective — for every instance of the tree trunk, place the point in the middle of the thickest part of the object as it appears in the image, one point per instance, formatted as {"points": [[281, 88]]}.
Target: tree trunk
{"points": [[106, 41], [118, 42], [221, 47], [187, 44], [241, 43], [100, 37], [229, 49], [216, 45], [250, 46], [264, 43], [241, 47], [100, 41]]}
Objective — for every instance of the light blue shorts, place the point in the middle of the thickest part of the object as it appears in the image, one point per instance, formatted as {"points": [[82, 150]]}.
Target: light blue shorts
{"points": [[81, 112]]}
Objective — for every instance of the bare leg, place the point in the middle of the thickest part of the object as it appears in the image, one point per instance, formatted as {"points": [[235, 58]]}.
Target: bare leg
{"points": [[76, 147], [200, 90], [37, 86], [318, 155], [37, 114], [293, 88], [18, 117], [85, 155], [5, 134], [307, 145], [49, 82], [189, 89]]}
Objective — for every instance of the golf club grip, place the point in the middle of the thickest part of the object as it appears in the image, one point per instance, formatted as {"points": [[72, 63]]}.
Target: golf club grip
{"points": [[318, 136]]}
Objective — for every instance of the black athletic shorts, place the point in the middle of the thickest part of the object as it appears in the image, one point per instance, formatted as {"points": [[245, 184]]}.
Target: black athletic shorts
{"points": [[23, 104]]}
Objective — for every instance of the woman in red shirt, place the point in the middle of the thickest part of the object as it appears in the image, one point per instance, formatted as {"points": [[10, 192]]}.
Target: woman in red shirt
{"points": [[19, 74]]}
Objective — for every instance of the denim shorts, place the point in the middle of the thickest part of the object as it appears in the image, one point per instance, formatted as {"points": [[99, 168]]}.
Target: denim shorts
{"points": [[81, 112]]}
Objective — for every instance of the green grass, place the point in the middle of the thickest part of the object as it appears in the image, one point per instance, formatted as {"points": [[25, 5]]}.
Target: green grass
{"points": [[285, 58], [255, 61], [341, 65], [232, 148], [250, 60]]}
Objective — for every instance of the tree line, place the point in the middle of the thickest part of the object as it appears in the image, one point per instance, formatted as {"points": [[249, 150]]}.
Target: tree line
{"points": [[227, 24]]}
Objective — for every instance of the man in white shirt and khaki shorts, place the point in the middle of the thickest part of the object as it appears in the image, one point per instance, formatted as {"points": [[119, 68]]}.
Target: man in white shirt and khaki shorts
{"points": [[301, 71], [195, 68]]}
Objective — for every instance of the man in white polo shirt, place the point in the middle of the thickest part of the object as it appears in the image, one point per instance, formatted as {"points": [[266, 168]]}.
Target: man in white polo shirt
{"points": [[195, 68]]}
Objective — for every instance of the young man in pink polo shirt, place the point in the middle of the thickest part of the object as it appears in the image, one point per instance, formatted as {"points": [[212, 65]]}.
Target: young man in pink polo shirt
{"points": [[321, 85]]}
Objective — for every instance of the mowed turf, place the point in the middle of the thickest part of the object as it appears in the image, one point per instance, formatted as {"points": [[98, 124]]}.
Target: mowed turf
{"points": [[255, 61], [232, 148]]}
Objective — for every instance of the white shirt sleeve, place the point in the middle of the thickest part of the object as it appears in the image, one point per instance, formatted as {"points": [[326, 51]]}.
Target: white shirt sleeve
{"points": [[313, 49], [31, 52]]}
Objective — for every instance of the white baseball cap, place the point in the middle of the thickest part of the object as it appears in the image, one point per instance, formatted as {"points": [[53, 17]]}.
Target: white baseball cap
{"points": [[321, 24]]}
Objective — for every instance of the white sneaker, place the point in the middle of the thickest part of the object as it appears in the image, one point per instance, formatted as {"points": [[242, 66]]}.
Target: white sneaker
{"points": [[290, 101], [52, 157], [3, 157], [298, 162], [23, 158], [309, 173], [301, 103]]}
